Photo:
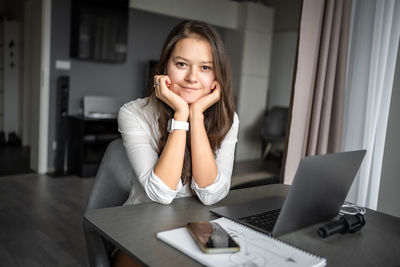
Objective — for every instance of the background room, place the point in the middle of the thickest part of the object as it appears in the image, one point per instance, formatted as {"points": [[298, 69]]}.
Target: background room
{"points": [[50, 148], [55, 186], [74, 77]]}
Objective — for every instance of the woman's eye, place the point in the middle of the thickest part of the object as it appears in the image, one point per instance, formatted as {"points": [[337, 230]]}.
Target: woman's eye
{"points": [[181, 64], [206, 67]]}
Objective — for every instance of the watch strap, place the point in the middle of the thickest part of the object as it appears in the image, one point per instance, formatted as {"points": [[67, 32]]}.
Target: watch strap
{"points": [[177, 125]]}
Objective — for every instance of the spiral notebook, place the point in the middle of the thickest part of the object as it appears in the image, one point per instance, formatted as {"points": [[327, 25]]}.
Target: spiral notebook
{"points": [[256, 249]]}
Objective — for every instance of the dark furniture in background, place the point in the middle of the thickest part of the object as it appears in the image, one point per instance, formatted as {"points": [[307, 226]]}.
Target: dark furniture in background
{"points": [[133, 228], [273, 130], [88, 139], [61, 126], [99, 30], [111, 188]]}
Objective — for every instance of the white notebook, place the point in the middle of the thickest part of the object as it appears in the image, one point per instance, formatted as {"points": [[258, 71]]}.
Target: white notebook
{"points": [[256, 249]]}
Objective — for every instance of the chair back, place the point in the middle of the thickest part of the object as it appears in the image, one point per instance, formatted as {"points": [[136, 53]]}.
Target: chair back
{"points": [[113, 179], [274, 124], [111, 188]]}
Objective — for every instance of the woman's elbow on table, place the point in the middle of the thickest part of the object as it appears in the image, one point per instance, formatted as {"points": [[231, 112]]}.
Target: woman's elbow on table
{"points": [[162, 200], [211, 199]]}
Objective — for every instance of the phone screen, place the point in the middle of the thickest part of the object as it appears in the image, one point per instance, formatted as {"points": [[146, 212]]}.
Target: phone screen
{"points": [[211, 237]]}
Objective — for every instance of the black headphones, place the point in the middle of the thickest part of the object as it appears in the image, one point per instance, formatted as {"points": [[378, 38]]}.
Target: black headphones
{"points": [[347, 223]]}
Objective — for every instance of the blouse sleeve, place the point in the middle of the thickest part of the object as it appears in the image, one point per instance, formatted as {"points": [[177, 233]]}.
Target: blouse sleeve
{"points": [[142, 155], [224, 159]]}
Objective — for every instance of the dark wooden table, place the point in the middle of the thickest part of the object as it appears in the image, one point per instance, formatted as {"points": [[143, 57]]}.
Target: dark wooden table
{"points": [[134, 228]]}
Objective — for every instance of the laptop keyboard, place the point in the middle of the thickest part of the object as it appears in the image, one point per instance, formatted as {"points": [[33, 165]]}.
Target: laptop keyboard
{"points": [[264, 220]]}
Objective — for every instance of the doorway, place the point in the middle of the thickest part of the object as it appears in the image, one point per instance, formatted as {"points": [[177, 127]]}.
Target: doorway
{"points": [[25, 144]]}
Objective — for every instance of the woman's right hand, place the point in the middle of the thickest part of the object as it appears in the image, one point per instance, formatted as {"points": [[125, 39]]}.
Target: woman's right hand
{"points": [[162, 84]]}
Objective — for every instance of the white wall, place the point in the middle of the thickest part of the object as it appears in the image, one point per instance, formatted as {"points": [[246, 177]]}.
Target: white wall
{"points": [[256, 23], [282, 61], [205, 10], [389, 191], [11, 72], [32, 82]]}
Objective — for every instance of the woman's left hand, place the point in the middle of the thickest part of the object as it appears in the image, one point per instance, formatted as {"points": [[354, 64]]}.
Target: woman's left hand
{"points": [[203, 103]]}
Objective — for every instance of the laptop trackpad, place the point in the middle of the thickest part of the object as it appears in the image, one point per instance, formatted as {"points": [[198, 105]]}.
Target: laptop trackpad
{"points": [[236, 211]]}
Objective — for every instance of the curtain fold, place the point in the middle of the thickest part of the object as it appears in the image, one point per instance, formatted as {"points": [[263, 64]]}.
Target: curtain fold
{"points": [[317, 96], [374, 46]]}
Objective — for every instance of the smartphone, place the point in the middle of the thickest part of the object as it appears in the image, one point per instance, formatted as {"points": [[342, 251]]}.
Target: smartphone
{"points": [[212, 238]]}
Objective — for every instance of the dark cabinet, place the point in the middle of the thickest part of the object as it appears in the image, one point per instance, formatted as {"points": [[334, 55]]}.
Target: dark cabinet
{"points": [[99, 30], [88, 139]]}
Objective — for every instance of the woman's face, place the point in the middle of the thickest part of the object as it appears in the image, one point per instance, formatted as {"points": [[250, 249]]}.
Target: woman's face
{"points": [[191, 69]]}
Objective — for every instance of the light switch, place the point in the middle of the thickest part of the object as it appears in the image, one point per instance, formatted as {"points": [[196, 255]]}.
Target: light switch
{"points": [[63, 65]]}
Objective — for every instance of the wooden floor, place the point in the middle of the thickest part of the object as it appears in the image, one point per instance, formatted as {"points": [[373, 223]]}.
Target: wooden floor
{"points": [[41, 220], [41, 217]]}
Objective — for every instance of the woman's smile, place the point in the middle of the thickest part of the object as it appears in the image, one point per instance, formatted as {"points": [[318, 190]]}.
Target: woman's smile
{"points": [[189, 88]]}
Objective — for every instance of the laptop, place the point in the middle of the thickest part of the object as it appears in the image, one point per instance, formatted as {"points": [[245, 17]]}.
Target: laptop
{"points": [[318, 191]]}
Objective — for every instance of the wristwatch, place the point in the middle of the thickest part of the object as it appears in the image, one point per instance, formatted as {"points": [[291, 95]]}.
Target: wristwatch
{"points": [[177, 125]]}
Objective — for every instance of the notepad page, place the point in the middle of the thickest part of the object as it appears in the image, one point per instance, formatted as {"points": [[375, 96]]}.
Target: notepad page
{"points": [[256, 249]]}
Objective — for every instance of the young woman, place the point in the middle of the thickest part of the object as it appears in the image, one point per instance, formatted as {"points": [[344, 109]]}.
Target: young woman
{"points": [[181, 140]]}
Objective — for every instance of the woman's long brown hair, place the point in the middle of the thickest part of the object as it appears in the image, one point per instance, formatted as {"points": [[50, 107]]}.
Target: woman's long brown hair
{"points": [[218, 118]]}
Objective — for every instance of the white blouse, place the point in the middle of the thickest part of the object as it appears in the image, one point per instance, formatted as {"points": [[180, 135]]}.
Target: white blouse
{"points": [[138, 125]]}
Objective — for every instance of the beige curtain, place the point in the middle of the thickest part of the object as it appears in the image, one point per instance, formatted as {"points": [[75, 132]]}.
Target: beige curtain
{"points": [[316, 115]]}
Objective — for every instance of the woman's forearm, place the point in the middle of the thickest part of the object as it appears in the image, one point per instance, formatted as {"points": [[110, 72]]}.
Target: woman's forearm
{"points": [[169, 166], [204, 167]]}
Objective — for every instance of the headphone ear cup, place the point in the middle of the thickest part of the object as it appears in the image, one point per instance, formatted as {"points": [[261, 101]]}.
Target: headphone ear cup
{"points": [[346, 224], [355, 222]]}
